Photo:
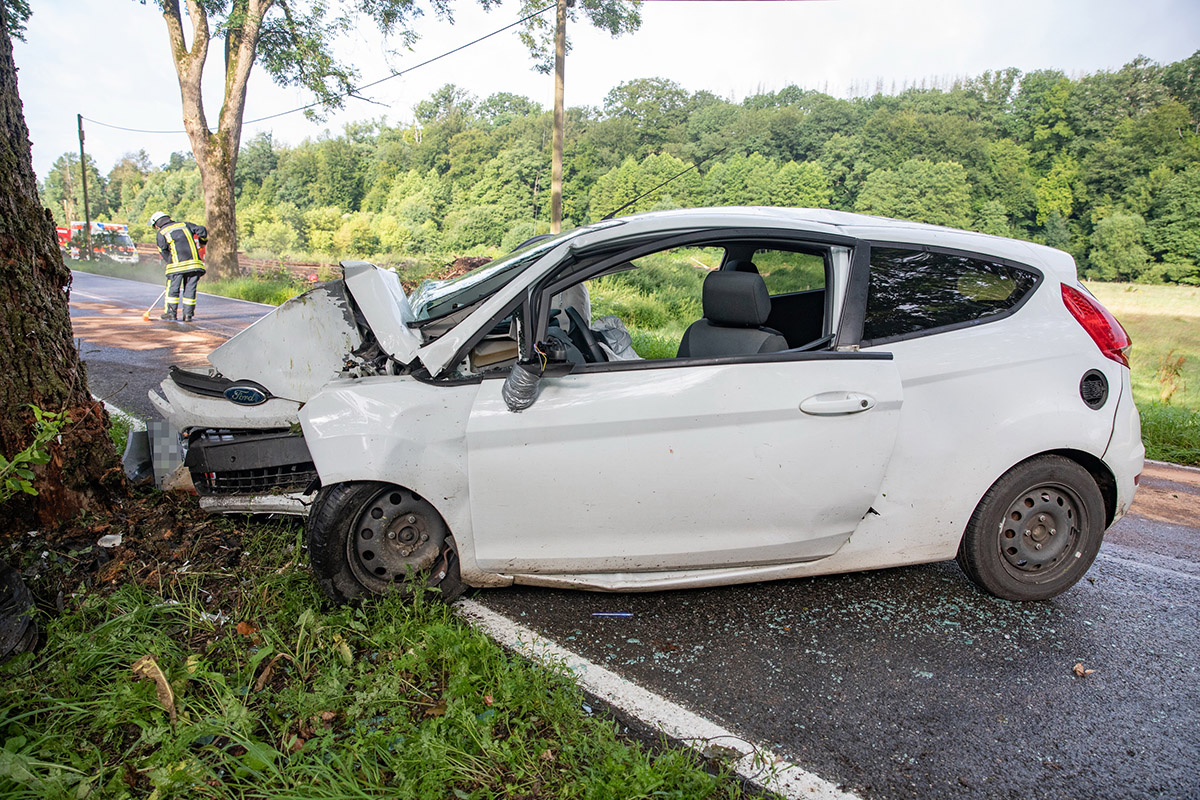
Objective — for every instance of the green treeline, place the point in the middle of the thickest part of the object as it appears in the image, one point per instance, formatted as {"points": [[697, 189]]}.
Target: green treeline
{"points": [[1105, 166]]}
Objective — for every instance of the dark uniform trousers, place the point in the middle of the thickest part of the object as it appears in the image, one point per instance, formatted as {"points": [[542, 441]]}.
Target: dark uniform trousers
{"points": [[179, 244]]}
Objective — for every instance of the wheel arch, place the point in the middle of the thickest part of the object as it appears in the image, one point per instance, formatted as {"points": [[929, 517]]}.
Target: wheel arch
{"points": [[1100, 472]]}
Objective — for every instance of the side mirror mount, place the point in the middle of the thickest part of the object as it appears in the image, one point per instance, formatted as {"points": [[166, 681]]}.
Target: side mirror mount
{"points": [[521, 386]]}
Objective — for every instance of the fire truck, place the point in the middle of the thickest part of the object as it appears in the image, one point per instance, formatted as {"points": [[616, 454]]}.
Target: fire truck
{"points": [[109, 240]]}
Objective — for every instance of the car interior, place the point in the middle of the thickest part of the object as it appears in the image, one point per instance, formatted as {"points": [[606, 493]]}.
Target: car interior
{"points": [[742, 298]]}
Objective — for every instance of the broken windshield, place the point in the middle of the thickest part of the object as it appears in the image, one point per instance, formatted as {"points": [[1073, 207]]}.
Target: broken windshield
{"points": [[434, 299]]}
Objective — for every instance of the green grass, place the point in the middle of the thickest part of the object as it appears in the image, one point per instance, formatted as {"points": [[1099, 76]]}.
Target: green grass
{"points": [[272, 290], [391, 699], [118, 429], [1164, 324], [1171, 433]]}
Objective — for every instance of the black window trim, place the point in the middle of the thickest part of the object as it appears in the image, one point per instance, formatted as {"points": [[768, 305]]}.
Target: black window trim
{"points": [[864, 277], [781, 356]]}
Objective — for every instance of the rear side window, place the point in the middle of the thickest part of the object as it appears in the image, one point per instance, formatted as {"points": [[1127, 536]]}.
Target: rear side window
{"points": [[914, 291]]}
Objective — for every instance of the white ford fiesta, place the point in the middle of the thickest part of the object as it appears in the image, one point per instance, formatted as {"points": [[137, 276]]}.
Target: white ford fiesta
{"points": [[853, 393]]}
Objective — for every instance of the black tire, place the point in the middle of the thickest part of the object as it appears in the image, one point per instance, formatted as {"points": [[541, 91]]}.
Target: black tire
{"points": [[1036, 531], [374, 538]]}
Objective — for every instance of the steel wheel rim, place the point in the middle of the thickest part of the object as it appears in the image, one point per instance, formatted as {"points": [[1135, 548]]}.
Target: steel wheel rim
{"points": [[1040, 532], [392, 539]]}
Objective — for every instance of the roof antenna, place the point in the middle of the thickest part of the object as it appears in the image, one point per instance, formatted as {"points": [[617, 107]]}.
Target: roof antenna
{"points": [[612, 214]]}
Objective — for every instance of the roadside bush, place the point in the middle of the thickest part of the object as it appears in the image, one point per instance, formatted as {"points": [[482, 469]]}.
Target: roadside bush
{"points": [[474, 227], [357, 237]]}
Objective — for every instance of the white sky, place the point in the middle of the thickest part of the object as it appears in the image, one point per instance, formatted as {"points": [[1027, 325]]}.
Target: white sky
{"points": [[109, 60]]}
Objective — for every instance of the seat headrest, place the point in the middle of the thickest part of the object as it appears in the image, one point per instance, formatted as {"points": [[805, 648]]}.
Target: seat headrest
{"points": [[736, 299], [742, 266]]}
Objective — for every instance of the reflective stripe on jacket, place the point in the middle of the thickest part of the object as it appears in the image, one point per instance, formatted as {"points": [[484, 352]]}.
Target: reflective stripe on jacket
{"points": [[177, 243]]}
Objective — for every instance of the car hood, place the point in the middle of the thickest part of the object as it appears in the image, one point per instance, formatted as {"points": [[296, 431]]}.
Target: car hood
{"points": [[308, 341], [383, 304]]}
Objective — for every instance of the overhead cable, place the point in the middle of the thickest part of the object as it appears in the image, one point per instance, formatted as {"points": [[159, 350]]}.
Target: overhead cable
{"points": [[356, 89]]}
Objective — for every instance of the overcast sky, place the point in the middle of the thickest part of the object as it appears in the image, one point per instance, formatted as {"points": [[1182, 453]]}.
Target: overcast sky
{"points": [[109, 59]]}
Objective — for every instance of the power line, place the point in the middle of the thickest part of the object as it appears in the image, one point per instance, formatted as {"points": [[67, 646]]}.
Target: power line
{"points": [[356, 89]]}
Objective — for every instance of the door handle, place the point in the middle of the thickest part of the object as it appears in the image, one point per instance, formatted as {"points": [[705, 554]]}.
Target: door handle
{"points": [[831, 404]]}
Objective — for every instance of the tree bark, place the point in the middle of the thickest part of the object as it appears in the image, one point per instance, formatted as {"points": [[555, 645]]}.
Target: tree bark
{"points": [[38, 359], [216, 151]]}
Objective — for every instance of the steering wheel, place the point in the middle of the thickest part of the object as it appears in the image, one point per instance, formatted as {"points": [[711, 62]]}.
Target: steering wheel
{"points": [[583, 338]]}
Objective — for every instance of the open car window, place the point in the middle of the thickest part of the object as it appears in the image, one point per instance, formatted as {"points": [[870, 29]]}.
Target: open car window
{"points": [[790, 271], [651, 301]]}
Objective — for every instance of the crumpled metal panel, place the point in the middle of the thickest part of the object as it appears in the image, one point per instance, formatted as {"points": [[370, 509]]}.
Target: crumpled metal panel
{"points": [[384, 305], [297, 348]]}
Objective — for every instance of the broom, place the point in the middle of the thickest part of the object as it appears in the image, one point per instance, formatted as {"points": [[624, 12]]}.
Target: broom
{"points": [[146, 316]]}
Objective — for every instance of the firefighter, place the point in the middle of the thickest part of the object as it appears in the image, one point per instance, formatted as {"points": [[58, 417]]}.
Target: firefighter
{"points": [[180, 244]]}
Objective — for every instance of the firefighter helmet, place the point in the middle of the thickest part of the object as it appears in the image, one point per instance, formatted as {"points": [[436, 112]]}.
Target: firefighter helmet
{"points": [[157, 217]]}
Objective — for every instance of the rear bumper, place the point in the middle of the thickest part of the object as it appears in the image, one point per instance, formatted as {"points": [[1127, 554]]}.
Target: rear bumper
{"points": [[1125, 454]]}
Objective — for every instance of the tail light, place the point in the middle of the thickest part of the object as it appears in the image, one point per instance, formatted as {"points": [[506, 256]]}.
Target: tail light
{"points": [[1102, 326]]}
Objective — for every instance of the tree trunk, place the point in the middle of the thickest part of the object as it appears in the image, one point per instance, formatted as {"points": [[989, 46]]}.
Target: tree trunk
{"points": [[216, 152], [216, 176], [38, 361]]}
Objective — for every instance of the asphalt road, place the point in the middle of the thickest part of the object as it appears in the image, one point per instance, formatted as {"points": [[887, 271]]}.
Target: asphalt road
{"points": [[126, 355], [904, 683]]}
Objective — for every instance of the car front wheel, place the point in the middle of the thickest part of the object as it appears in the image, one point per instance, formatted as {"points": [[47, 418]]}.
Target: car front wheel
{"points": [[374, 538], [1036, 531]]}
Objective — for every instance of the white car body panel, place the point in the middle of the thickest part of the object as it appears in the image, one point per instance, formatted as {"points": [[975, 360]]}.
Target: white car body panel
{"points": [[996, 392], [649, 469], [1126, 453], [267, 352], [402, 431], [186, 410], [385, 306]]}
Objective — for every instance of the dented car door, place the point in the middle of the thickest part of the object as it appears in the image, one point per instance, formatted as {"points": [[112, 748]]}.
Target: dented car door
{"points": [[671, 465]]}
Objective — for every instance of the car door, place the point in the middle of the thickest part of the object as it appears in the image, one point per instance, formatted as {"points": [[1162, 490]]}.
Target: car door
{"points": [[660, 465]]}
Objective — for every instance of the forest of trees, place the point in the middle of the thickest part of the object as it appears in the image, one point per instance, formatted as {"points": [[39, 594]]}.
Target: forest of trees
{"points": [[1105, 166]]}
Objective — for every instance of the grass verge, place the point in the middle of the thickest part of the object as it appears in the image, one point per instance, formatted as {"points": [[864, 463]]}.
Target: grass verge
{"points": [[203, 683], [1164, 324]]}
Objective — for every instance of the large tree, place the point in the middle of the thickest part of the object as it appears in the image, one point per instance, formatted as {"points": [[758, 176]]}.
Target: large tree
{"points": [[293, 41], [40, 364]]}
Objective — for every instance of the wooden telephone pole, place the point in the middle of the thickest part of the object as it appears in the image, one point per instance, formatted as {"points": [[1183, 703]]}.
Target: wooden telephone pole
{"points": [[556, 164], [87, 212]]}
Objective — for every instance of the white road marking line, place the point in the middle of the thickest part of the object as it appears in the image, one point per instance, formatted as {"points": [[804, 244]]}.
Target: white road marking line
{"points": [[757, 764], [113, 411], [90, 296]]}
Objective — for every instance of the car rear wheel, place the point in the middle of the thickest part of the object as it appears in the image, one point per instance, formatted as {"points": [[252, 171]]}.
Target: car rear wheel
{"points": [[1036, 531], [375, 538]]}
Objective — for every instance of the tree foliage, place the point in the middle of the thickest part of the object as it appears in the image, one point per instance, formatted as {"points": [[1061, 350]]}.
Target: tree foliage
{"points": [[1070, 162]]}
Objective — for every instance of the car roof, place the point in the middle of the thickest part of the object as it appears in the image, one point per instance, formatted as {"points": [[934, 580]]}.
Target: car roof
{"points": [[860, 226]]}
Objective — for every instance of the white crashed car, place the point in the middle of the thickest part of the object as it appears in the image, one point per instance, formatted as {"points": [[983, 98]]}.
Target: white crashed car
{"points": [[854, 393]]}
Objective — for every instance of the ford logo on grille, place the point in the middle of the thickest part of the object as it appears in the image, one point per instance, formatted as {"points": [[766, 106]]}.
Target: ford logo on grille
{"points": [[245, 395]]}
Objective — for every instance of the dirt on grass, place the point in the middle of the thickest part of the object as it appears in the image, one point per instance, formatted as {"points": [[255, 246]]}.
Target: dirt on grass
{"points": [[150, 539]]}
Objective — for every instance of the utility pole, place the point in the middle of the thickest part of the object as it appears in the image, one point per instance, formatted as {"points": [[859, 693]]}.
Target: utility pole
{"points": [[556, 163], [87, 212]]}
